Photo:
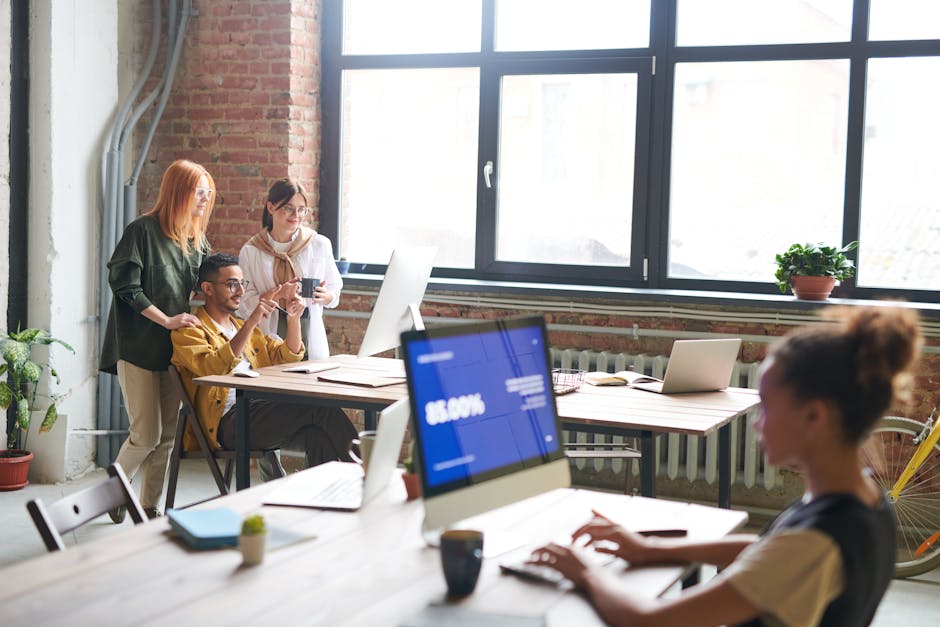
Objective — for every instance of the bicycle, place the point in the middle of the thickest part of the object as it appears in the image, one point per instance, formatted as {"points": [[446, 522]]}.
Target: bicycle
{"points": [[904, 456]]}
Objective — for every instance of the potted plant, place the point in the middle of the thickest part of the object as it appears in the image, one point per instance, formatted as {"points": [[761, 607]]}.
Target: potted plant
{"points": [[410, 477], [252, 539], [19, 389], [342, 265], [812, 270]]}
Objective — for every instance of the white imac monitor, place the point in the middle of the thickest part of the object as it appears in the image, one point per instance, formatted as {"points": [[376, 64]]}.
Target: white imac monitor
{"points": [[396, 307], [484, 419]]}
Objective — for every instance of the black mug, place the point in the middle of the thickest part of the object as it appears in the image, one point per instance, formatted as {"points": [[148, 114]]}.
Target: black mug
{"points": [[308, 287], [461, 558]]}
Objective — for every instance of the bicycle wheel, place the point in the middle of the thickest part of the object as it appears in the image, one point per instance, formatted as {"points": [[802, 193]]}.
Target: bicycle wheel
{"points": [[918, 505]]}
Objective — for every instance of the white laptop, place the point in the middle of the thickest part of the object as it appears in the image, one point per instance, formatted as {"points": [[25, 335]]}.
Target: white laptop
{"points": [[696, 366], [349, 491]]}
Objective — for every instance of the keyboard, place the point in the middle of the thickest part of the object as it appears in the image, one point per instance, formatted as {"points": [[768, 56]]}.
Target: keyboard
{"points": [[345, 492], [537, 572]]}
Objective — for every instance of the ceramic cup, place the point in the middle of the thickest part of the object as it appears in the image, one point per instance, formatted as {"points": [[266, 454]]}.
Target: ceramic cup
{"points": [[366, 442], [252, 548], [308, 287], [461, 559]]}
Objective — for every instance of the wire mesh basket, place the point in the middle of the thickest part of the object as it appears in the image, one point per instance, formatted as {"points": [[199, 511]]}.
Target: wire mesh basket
{"points": [[566, 380]]}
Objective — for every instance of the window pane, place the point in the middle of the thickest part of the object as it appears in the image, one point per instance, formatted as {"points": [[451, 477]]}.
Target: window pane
{"points": [[746, 22], [409, 163], [566, 146], [904, 19], [566, 25], [758, 163], [900, 213], [411, 26]]}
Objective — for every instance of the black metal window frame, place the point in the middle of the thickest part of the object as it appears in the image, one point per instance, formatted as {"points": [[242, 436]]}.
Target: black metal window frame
{"points": [[655, 67]]}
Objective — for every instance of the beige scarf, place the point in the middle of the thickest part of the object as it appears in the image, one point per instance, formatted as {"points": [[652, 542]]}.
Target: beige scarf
{"points": [[284, 268]]}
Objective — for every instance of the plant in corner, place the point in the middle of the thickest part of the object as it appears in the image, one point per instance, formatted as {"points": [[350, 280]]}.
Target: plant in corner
{"points": [[342, 265], [20, 390], [812, 270], [410, 477]]}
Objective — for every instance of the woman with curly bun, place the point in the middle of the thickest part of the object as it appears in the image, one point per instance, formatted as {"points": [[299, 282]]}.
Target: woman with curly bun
{"points": [[828, 558]]}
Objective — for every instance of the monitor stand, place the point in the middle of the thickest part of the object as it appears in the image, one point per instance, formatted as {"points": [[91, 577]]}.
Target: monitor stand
{"points": [[495, 541], [417, 323]]}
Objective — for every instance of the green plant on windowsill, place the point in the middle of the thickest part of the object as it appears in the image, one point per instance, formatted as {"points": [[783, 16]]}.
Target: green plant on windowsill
{"points": [[814, 260], [23, 376]]}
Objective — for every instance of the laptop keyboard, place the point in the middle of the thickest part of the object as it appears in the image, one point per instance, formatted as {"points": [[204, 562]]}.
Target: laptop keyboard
{"points": [[344, 491]]}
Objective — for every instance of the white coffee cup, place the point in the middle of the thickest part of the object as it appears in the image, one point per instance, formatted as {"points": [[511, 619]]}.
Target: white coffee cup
{"points": [[366, 442]]}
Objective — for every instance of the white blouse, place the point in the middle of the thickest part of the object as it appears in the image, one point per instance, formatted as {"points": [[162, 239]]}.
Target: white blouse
{"points": [[315, 261]]}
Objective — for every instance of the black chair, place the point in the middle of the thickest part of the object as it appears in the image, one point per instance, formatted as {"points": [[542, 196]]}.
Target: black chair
{"points": [[222, 478], [72, 511]]}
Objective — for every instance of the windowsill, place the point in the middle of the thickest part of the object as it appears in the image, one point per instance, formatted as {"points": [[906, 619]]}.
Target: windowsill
{"points": [[580, 292]]}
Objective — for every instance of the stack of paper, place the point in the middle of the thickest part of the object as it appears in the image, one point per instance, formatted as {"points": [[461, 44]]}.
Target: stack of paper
{"points": [[206, 528]]}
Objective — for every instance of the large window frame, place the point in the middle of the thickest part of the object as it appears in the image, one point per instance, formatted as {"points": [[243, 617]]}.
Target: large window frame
{"points": [[655, 68]]}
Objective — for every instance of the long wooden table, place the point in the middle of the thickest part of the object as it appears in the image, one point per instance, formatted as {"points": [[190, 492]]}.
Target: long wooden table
{"points": [[616, 410], [368, 568]]}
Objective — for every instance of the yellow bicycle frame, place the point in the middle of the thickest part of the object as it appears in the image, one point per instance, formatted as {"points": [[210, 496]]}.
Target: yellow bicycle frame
{"points": [[918, 458]]}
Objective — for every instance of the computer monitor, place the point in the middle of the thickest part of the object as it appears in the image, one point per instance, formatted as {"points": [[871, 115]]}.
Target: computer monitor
{"points": [[484, 419], [396, 307]]}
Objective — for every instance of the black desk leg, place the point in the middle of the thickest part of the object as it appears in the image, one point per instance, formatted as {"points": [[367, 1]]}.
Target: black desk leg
{"points": [[242, 478], [647, 465], [370, 419], [724, 466]]}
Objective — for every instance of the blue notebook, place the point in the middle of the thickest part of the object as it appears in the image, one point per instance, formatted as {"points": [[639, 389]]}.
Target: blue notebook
{"points": [[206, 528]]}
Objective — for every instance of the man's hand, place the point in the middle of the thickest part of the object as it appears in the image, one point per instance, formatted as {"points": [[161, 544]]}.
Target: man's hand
{"points": [[295, 306]]}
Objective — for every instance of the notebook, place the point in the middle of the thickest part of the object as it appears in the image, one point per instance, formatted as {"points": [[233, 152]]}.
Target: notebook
{"points": [[309, 367], [206, 528], [696, 366], [350, 492]]}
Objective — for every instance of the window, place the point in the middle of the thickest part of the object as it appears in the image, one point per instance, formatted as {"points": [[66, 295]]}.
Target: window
{"points": [[676, 145]]}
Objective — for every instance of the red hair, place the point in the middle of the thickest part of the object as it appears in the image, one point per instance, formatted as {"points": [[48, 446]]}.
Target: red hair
{"points": [[174, 205]]}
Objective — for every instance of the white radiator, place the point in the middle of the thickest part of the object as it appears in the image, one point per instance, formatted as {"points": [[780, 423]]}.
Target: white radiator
{"points": [[677, 456]]}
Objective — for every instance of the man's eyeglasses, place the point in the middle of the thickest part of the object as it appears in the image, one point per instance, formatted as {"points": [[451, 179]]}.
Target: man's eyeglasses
{"points": [[234, 284], [288, 210], [204, 192]]}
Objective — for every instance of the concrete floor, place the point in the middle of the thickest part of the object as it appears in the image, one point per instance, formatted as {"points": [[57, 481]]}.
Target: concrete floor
{"points": [[908, 603]]}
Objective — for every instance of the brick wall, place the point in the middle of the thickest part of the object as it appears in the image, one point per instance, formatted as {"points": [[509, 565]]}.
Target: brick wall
{"points": [[245, 104]]}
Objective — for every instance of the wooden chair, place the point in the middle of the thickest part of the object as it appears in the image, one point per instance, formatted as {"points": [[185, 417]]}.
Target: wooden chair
{"points": [[222, 478], [72, 511]]}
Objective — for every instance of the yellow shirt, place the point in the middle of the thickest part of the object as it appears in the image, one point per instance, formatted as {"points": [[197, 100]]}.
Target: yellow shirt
{"points": [[202, 351]]}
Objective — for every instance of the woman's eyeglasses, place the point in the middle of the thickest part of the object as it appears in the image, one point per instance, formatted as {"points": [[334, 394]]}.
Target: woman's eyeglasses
{"points": [[204, 192], [289, 210]]}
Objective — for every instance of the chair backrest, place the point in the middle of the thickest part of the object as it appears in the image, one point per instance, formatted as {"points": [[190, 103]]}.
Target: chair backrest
{"points": [[187, 414], [74, 510]]}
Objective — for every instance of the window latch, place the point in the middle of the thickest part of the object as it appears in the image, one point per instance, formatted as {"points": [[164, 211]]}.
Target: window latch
{"points": [[487, 173]]}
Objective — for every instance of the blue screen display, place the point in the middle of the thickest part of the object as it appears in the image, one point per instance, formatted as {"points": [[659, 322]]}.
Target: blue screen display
{"points": [[482, 401]]}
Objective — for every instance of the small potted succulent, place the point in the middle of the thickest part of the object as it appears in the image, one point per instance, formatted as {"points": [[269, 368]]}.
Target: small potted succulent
{"points": [[252, 539], [811, 270], [342, 265]]}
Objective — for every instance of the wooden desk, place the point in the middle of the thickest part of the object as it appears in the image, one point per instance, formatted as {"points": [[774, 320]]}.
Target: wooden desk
{"points": [[297, 387], [367, 568], [620, 410], [616, 410]]}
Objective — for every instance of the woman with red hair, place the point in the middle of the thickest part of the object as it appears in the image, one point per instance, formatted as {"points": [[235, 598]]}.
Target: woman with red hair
{"points": [[152, 273]]}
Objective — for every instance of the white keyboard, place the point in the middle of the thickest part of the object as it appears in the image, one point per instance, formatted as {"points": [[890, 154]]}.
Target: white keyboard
{"points": [[344, 492]]}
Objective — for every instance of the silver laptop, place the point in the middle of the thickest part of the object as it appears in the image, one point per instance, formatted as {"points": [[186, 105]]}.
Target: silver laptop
{"points": [[350, 492], [697, 366]]}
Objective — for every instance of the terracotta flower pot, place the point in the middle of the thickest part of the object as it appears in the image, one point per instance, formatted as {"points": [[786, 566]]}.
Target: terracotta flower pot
{"points": [[412, 485], [812, 287], [14, 469]]}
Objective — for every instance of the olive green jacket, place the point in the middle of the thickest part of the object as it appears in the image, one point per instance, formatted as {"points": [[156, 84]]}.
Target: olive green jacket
{"points": [[146, 268]]}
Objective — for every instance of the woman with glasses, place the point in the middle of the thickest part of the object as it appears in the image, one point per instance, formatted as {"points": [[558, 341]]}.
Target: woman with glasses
{"points": [[152, 273], [286, 250]]}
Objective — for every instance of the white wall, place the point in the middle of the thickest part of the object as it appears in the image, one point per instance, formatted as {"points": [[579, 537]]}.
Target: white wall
{"points": [[73, 95]]}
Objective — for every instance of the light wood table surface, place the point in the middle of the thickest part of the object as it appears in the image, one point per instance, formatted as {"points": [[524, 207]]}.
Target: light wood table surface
{"points": [[368, 568]]}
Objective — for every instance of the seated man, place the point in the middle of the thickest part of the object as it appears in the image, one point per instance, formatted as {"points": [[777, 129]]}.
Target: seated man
{"points": [[224, 343]]}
